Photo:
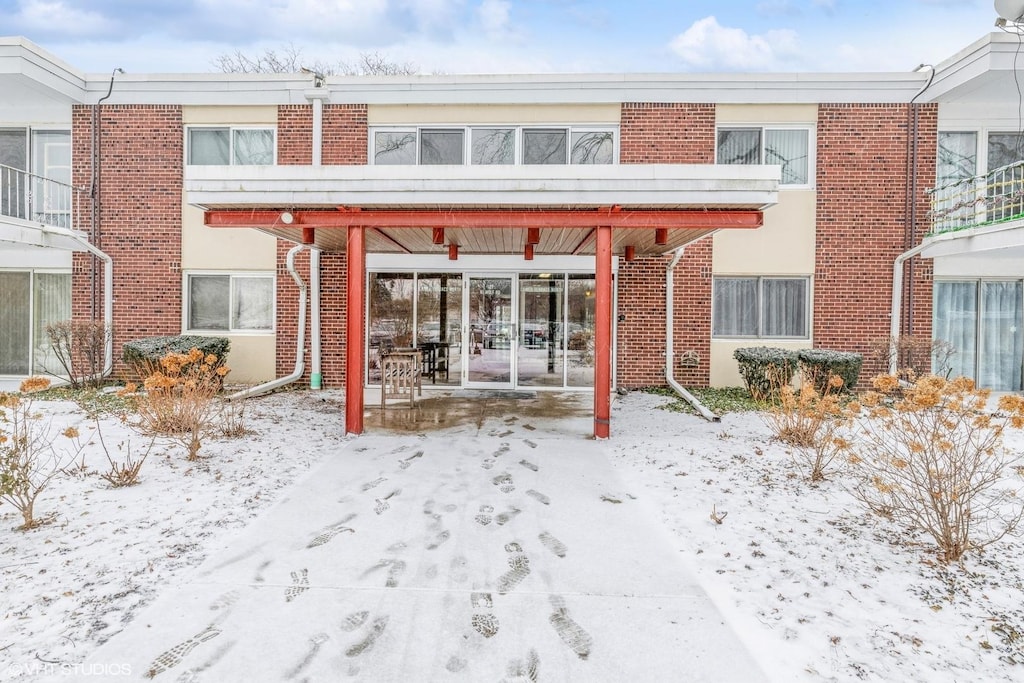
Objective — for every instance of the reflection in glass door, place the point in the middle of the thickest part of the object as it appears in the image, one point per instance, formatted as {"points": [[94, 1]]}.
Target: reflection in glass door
{"points": [[540, 343], [489, 317]]}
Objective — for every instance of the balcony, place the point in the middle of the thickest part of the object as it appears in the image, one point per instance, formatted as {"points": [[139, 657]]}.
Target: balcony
{"points": [[980, 214], [37, 211], [985, 200]]}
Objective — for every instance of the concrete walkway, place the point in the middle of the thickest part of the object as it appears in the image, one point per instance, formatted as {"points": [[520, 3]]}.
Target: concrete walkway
{"points": [[506, 550]]}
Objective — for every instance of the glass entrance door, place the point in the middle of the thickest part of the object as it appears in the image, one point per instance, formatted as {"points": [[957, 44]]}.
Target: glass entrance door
{"points": [[490, 322]]}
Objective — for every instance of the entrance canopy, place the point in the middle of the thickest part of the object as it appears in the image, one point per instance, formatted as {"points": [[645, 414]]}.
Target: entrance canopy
{"points": [[652, 208], [576, 209]]}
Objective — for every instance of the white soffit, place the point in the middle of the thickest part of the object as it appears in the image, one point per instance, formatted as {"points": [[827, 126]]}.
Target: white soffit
{"points": [[1001, 238], [627, 185]]}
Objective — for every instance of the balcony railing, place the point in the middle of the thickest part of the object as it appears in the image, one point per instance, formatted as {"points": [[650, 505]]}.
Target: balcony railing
{"points": [[996, 197], [34, 198]]}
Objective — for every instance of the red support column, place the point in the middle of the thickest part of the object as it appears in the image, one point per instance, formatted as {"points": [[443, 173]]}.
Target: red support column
{"points": [[603, 334], [354, 336]]}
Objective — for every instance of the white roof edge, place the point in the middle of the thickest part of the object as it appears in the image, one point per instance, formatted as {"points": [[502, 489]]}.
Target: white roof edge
{"points": [[22, 57]]}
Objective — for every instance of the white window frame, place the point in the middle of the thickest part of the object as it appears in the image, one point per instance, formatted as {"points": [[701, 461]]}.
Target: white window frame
{"points": [[232, 275], [760, 279], [518, 128], [231, 141], [811, 147]]}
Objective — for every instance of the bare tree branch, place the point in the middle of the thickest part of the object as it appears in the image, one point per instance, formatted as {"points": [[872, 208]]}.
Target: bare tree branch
{"points": [[288, 60]]}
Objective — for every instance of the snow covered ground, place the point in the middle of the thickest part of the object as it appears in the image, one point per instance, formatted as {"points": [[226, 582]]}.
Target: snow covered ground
{"points": [[816, 588]]}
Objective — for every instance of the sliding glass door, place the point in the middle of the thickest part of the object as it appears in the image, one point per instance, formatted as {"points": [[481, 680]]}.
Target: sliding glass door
{"points": [[31, 302]]}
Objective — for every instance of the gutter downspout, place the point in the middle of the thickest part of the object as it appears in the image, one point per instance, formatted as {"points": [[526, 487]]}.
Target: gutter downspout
{"points": [[897, 302], [315, 375], [108, 294], [315, 371], [300, 337], [669, 353], [94, 190]]}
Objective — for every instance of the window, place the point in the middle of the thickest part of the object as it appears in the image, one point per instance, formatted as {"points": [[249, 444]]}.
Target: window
{"points": [[230, 302], [983, 322], [957, 157], [231, 146], [493, 145], [760, 307], [439, 147], [786, 147]]}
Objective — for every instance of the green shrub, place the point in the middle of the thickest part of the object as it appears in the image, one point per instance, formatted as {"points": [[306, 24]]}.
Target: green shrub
{"points": [[817, 365], [765, 370], [142, 355]]}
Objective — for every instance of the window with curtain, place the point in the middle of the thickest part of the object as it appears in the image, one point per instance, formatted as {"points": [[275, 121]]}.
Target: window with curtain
{"points": [[983, 320], [230, 302], [230, 146], [51, 303], [760, 307], [788, 148]]}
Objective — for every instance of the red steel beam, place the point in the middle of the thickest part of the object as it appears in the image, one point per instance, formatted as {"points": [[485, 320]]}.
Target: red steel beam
{"points": [[354, 346], [603, 333], [506, 218]]}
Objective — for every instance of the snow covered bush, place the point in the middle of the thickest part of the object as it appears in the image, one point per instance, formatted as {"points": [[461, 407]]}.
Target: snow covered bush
{"points": [[180, 398], [818, 366], [764, 369], [931, 456]]}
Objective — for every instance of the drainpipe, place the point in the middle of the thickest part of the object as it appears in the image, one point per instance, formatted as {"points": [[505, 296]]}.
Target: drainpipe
{"points": [[315, 371], [669, 350], [108, 293], [300, 341], [897, 302], [94, 183], [316, 376]]}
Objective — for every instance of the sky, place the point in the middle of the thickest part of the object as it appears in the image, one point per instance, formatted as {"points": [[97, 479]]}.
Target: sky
{"points": [[507, 36]]}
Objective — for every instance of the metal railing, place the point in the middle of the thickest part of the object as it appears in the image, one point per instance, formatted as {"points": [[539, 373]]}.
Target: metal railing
{"points": [[996, 197], [35, 198]]}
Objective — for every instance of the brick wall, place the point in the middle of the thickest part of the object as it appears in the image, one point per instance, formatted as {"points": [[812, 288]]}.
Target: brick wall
{"points": [[344, 142], [665, 133], [344, 134], [139, 221], [863, 222]]}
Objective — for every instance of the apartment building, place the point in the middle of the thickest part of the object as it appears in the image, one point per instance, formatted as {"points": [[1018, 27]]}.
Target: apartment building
{"points": [[542, 232]]}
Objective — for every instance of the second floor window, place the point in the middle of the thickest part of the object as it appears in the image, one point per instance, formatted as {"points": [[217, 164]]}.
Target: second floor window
{"points": [[493, 145], [786, 147], [230, 146]]}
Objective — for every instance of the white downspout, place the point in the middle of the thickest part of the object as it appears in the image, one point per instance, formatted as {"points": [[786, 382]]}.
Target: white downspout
{"points": [[300, 341], [669, 349], [316, 377], [315, 371], [108, 293], [897, 303]]}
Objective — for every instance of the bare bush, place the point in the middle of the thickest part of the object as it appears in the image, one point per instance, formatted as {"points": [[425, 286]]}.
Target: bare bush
{"points": [[80, 347], [29, 459], [123, 472], [179, 399], [931, 456], [231, 419], [913, 356], [811, 422]]}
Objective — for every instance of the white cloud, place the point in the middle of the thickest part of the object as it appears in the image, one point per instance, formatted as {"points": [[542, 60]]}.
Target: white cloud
{"points": [[827, 5], [709, 45], [55, 16], [494, 16]]}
